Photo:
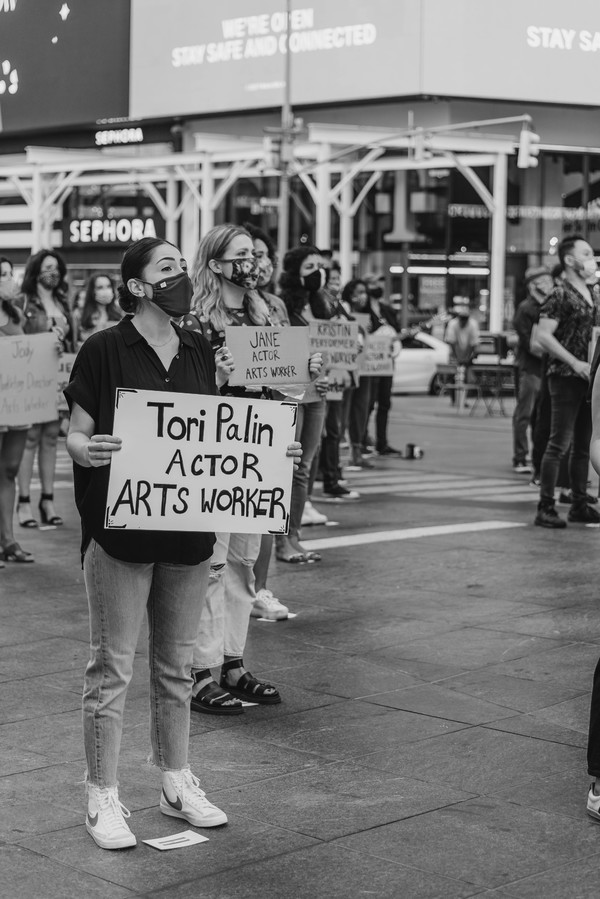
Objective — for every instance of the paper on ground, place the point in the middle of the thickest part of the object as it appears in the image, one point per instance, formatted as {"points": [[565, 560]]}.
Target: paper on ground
{"points": [[177, 840]]}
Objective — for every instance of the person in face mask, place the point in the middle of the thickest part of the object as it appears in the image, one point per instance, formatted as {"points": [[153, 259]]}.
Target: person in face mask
{"points": [[45, 307], [565, 332], [130, 573], [225, 275], [265, 255], [301, 283], [100, 309]]}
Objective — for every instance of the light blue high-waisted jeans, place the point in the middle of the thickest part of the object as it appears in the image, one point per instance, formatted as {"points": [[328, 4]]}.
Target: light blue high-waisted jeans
{"points": [[119, 593]]}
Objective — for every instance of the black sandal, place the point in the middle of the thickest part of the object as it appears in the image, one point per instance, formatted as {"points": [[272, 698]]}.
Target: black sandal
{"points": [[55, 520], [212, 700], [25, 522], [248, 687]]}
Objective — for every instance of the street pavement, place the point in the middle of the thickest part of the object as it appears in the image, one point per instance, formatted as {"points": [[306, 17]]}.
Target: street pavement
{"points": [[435, 683]]}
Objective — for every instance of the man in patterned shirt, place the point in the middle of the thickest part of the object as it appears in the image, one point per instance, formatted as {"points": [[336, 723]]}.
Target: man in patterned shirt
{"points": [[565, 333]]}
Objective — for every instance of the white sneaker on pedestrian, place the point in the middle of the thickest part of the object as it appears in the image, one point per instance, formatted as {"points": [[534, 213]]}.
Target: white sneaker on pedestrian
{"points": [[311, 516], [268, 606], [105, 820], [593, 804], [182, 797]]}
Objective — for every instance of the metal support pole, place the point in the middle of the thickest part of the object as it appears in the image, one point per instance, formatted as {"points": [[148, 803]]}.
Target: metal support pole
{"points": [[498, 242], [323, 203], [286, 148], [36, 210], [405, 280], [171, 209], [346, 223]]}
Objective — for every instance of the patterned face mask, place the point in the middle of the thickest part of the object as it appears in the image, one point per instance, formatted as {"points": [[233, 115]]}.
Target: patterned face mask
{"points": [[244, 272]]}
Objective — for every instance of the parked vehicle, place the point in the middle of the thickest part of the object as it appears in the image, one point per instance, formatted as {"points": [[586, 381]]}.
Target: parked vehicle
{"points": [[415, 367]]}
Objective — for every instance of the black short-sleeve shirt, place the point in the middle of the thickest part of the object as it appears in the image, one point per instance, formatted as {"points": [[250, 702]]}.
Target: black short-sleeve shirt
{"points": [[121, 357]]}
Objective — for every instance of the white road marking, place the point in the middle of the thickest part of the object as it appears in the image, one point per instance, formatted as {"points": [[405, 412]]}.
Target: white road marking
{"points": [[410, 534]]}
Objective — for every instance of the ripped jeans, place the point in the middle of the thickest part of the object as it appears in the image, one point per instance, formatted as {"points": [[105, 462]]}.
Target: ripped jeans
{"points": [[226, 613]]}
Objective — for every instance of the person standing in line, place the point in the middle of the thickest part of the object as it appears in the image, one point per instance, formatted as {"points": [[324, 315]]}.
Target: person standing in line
{"points": [[224, 276], [100, 309], [12, 438], [266, 605], [301, 283], [565, 333], [45, 307], [383, 321], [357, 407], [129, 573], [539, 283]]}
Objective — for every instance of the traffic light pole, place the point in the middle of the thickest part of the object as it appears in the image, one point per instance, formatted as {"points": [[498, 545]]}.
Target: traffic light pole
{"points": [[287, 137]]}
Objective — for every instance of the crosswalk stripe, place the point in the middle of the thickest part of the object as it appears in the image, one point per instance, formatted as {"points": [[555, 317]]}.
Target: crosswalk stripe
{"points": [[409, 534], [475, 485]]}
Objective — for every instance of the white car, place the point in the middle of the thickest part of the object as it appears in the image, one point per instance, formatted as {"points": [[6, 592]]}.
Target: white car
{"points": [[415, 367]]}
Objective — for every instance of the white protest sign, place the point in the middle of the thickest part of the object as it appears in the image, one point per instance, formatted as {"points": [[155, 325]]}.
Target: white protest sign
{"points": [[65, 366], [270, 356], [377, 359], [190, 462], [28, 379], [337, 341]]}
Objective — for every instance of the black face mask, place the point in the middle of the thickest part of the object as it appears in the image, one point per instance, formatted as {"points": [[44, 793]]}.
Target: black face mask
{"points": [[376, 292], [314, 281], [244, 272], [49, 280], [173, 295]]}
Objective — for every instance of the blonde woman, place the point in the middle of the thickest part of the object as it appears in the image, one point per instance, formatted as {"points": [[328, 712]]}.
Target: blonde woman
{"points": [[224, 275]]}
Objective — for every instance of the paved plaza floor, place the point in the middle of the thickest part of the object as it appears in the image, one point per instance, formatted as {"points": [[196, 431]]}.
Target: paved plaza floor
{"points": [[435, 683]]}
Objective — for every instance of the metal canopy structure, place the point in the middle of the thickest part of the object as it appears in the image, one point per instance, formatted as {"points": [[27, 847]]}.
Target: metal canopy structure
{"points": [[194, 184]]}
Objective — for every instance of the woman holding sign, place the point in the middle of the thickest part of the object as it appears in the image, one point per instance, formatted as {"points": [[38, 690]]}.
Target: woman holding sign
{"points": [[45, 307], [225, 276], [301, 283], [130, 572], [12, 439]]}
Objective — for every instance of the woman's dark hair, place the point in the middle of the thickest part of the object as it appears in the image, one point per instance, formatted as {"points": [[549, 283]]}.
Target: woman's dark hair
{"points": [[134, 261], [32, 272], [8, 297], [90, 304], [6, 259], [258, 234], [349, 288]]}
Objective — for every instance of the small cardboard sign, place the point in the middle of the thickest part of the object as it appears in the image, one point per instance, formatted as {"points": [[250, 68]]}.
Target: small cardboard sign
{"points": [[28, 379], [190, 462], [377, 358], [268, 356], [337, 341]]}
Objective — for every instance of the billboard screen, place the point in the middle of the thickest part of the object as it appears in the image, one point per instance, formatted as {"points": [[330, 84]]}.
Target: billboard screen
{"points": [[63, 63], [531, 50], [190, 57]]}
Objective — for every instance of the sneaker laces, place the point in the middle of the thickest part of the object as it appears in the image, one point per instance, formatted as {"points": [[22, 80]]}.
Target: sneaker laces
{"points": [[267, 599], [188, 787], [113, 810]]}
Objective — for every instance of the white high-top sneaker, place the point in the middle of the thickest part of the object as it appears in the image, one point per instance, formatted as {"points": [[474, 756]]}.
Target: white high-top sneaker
{"points": [[105, 819], [182, 797]]}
